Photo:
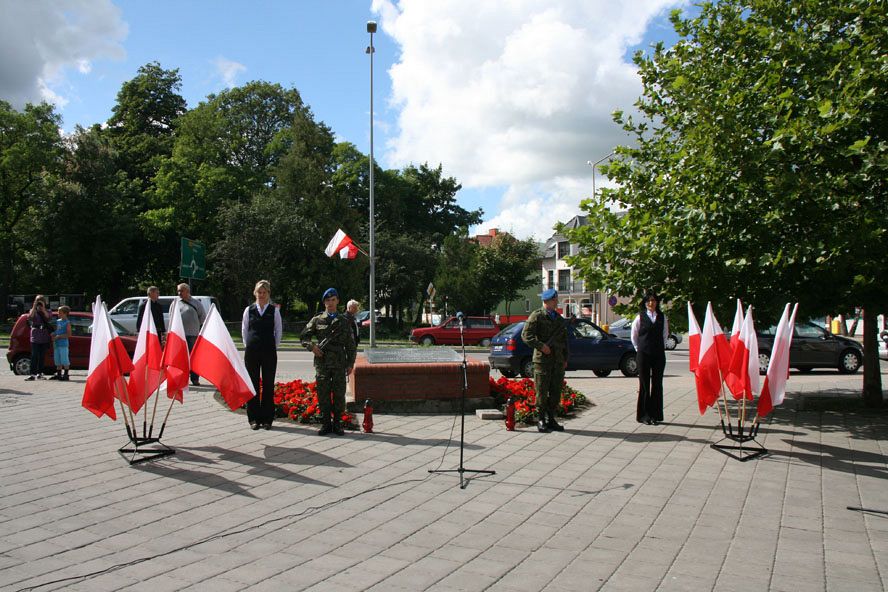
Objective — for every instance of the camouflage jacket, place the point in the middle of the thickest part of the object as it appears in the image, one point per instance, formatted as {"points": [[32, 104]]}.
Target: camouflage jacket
{"points": [[334, 337], [541, 330]]}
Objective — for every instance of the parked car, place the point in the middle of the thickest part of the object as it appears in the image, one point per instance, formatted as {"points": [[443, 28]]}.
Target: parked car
{"points": [[623, 328], [19, 353], [126, 312], [883, 345], [363, 318], [477, 331], [813, 347], [591, 348]]}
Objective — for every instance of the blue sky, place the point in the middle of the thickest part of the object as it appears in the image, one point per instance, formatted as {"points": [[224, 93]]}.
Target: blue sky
{"points": [[512, 97]]}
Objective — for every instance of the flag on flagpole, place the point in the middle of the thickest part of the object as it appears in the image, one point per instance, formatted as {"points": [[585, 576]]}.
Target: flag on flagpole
{"points": [[215, 357], [774, 387], [752, 363], [176, 364], [713, 347], [744, 360], [732, 380], [339, 241], [350, 251], [147, 371], [108, 362], [693, 340]]}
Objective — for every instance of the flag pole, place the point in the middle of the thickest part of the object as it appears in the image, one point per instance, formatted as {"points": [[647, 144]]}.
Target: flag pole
{"points": [[165, 417], [156, 394], [129, 432], [725, 400]]}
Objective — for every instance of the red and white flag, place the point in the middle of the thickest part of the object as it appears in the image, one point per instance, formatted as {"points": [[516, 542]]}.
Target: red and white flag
{"points": [[339, 241], [744, 359], [215, 357], [108, 362], [147, 371], [693, 340], [714, 356], [176, 364], [774, 388], [350, 251], [733, 380]]}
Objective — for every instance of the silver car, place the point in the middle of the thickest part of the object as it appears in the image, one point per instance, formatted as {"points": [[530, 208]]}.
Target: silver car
{"points": [[623, 328]]}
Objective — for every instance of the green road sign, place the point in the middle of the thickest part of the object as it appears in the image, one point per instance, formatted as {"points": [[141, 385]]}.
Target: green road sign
{"points": [[194, 263]]}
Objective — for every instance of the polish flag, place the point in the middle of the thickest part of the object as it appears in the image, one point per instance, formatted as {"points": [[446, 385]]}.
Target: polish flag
{"points": [[731, 379], [714, 355], [693, 339], [774, 388], [350, 251], [108, 362], [215, 357], [147, 371], [175, 362], [339, 241], [744, 360]]}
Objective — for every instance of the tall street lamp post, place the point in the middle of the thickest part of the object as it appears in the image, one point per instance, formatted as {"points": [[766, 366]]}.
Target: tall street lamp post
{"points": [[602, 310], [371, 28]]}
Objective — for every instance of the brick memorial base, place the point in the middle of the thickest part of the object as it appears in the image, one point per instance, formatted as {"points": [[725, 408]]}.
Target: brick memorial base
{"points": [[418, 385]]}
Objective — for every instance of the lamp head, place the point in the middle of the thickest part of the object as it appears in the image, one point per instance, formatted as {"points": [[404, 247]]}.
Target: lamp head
{"points": [[371, 26]]}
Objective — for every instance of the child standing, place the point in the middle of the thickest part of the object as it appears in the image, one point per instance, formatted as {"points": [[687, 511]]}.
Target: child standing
{"points": [[60, 344]]}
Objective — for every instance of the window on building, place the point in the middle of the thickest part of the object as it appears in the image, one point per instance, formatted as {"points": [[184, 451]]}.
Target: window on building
{"points": [[551, 279], [564, 280], [563, 249]]}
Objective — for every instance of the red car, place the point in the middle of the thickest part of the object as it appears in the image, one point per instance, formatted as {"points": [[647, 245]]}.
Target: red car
{"points": [[19, 354], [477, 331]]}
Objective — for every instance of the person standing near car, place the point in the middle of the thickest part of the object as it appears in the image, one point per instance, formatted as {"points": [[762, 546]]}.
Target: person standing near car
{"points": [[156, 313], [261, 329], [649, 332], [193, 315], [39, 320], [60, 337], [546, 332]]}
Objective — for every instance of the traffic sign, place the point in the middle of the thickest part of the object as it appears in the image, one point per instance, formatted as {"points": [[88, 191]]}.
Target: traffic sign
{"points": [[193, 263]]}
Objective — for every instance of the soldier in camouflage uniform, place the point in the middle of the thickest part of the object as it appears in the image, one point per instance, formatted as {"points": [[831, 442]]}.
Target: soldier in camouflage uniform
{"points": [[546, 332], [334, 359]]}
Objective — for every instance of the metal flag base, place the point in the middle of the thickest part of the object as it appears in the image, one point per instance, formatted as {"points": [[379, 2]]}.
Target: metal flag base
{"points": [[145, 454], [738, 451]]}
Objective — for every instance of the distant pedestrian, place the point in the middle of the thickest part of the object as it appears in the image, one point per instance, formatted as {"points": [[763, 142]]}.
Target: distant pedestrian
{"points": [[649, 332], [156, 313], [193, 315], [39, 320], [351, 310], [261, 329], [60, 338], [546, 332], [334, 358]]}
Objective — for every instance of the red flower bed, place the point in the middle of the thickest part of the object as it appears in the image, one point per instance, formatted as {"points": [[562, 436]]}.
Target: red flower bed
{"points": [[298, 400], [524, 394]]}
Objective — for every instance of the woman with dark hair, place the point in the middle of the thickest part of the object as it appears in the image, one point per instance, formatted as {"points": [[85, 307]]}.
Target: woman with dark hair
{"points": [[38, 319], [261, 328], [649, 332]]}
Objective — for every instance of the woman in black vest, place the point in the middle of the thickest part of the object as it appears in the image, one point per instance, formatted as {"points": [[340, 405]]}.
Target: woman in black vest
{"points": [[649, 331], [261, 329]]}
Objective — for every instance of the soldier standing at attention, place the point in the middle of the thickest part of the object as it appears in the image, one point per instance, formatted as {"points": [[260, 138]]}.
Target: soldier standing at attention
{"points": [[334, 358], [546, 332]]}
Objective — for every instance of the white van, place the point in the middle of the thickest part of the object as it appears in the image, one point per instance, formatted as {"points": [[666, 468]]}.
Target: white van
{"points": [[126, 312]]}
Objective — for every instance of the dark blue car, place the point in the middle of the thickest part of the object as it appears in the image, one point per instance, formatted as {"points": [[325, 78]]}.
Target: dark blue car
{"points": [[590, 349]]}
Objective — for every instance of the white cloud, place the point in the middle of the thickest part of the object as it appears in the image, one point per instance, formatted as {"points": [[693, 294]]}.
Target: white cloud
{"points": [[228, 70], [41, 40], [515, 93]]}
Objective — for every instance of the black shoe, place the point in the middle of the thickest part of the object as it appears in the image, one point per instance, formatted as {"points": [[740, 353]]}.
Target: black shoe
{"points": [[542, 427], [655, 422], [64, 376], [554, 425], [325, 429], [32, 377], [267, 426], [55, 377], [648, 421], [337, 429], [254, 425], [41, 377], [195, 382]]}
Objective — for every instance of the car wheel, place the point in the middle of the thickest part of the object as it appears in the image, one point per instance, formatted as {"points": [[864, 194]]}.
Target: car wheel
{"points": [[671, 343], [601, 373], [764, 361], [22, 365], [508, 373], [629, 365], [427, 340], [527, 368], [484, 342], [850, 362]]}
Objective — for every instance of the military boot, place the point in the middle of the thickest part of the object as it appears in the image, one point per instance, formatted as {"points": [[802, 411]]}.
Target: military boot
{"points": [[337, 427], [542, 426], [326, 429], [554, 425]]}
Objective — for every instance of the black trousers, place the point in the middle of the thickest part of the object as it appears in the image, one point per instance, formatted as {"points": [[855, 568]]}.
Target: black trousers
{"points": [[650, 386], [38, 352], [260, 409]]}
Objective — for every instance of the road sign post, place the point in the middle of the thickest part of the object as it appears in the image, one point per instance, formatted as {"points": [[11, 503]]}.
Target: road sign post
{"points": [[193, 261]]}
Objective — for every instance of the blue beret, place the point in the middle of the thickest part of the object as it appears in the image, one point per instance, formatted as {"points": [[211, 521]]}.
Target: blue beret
{"points": [[549, 294], [329, 293]]}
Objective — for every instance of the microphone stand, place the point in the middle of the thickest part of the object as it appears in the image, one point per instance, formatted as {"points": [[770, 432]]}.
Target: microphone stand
{"points": [[463, 482]]}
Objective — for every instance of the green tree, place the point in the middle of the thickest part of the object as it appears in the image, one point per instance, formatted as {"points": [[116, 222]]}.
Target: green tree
{"points": [[757, 166], [30, 157], [507, 266]]}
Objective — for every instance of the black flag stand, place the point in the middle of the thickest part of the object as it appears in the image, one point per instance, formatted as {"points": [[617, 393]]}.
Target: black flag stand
{"points": [[463, 482], [737, 450], [139, 444]]}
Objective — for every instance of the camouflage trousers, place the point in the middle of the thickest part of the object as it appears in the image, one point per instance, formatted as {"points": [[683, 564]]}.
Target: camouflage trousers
{"points": [[331, 393], [548, 380]]}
